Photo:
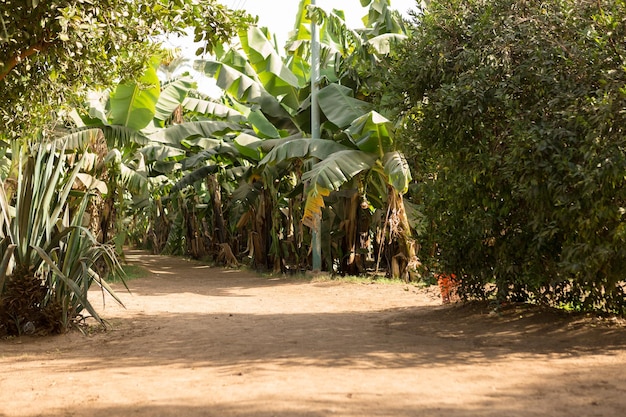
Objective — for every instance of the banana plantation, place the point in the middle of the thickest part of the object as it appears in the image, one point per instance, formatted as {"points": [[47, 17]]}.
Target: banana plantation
{"points": [[238, 180], [108, 141]]}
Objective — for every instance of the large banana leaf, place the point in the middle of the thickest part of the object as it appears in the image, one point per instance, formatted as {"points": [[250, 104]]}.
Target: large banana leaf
{"points": [[339, 168], [172, 96], [160, 152], [194, 176], [302, 148], [371, 133], [335, 35], [330, 174], [133, 104], [248, 146], [276, 78], [242, 87], [381, 19], [339, 106], [383, 44], [115, 136], [262, 126], [211, 108], [397, 171], [173, 135], [134, 180], [220, 148]]}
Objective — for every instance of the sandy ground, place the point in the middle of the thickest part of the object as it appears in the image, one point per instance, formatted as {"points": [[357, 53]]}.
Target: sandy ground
{"points": [[201, 341]]}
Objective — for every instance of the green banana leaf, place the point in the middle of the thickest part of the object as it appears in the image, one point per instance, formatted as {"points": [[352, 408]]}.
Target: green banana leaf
{"points": [[275, 77], [397, 171], [263, 127], [248, 146], [115, 136], [160, 152], [172, 96], [133, 104], [194, 176], [371, 133], [210, 108], [337, 169], [383, 44], [302, 148], [134, 180], [339, 106], [174, 135], [219, 148], [242, 87]]}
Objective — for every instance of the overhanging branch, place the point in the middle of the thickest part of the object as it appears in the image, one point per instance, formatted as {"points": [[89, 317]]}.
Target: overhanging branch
{"points": [[16, 60]]}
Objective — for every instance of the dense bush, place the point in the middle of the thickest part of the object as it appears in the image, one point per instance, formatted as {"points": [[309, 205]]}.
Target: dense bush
{"points": [[515, 116]]}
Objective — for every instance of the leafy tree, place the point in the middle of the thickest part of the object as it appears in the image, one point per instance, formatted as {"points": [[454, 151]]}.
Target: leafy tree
{"points": [[51, 51], [514, 115]]}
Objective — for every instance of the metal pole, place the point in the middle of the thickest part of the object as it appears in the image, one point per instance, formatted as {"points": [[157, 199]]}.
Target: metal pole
{"points": [[316, 243]]}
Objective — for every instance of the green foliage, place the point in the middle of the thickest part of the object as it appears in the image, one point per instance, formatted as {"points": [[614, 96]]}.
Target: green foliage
{"points": [[54, 257], [52, 51], [514, 115]]}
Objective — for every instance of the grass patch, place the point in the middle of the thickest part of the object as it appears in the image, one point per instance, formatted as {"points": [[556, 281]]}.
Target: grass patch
{"points": [[362, 279], [131, 272]]}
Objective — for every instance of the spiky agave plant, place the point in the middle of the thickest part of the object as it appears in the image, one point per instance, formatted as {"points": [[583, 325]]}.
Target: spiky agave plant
{"points": [[48, 257]]}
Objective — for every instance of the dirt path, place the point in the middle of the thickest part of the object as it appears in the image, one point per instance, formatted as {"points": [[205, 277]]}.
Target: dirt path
{"points": [[201, 341]]}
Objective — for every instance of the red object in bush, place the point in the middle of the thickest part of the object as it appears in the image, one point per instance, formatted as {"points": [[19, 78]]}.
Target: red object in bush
{"points": [[447, 285]]}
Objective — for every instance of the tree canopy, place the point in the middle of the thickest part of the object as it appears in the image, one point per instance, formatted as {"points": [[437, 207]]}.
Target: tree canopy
{"points": [[51, 50]]}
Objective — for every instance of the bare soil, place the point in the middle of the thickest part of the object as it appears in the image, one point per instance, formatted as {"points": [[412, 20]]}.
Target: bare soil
{"points": [[200, 341]]}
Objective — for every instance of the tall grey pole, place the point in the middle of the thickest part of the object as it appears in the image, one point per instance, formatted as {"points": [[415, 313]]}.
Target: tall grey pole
{"points": [[316, 244]]}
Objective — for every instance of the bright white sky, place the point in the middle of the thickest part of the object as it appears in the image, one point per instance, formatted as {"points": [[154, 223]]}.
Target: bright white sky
{"points": [[279, 15]]}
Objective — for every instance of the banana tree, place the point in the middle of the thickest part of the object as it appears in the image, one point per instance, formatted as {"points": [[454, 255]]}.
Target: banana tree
{"points": [[358, 141]]}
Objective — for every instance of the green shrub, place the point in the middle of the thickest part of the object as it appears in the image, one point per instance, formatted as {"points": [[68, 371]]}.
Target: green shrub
{"points": [[515, 116]]}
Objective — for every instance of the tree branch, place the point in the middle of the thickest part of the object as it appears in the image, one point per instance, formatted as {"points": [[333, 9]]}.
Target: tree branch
{"points": [[16, 60]]}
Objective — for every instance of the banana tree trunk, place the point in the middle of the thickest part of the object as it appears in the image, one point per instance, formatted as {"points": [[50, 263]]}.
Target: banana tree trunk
{"points": [[401, 247], [349, 226], [261, 234], [215, 190]]}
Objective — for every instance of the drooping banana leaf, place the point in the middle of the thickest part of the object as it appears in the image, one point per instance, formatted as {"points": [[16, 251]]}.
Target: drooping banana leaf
{"points": [[276, 78], [371, 133], [381, 19], [339, 106], [172, 96], [383, 44], [134, 180], [335, 33], [248, 146], [195, 176], [337, 169], [262, 126], [397, 171], [303, 148], [210, 108], [115, 136], [160, 152], [173, 135], [242, 87], [220, 148], [90, 182], [78, 140]]}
